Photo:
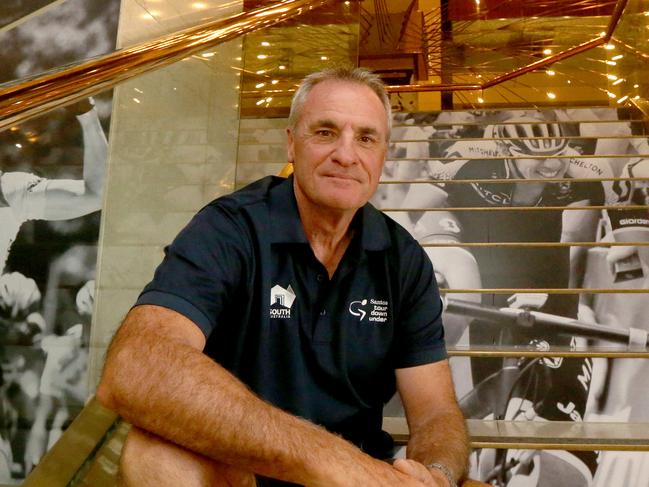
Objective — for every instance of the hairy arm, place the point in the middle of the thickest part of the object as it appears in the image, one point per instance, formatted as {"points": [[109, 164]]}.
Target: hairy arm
{"points": [[157, 378], [437, 429], [71, 198]]}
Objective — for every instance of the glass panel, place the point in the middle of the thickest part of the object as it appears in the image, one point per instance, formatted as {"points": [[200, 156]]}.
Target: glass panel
{"points": [[70, 31]]}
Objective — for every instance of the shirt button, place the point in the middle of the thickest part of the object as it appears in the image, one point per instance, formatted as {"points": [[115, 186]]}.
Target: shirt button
{"points": [[320, 277], [323, 312]]}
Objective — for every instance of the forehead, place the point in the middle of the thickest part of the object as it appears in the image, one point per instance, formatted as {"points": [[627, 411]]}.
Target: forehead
{"points": [[344, 99]]}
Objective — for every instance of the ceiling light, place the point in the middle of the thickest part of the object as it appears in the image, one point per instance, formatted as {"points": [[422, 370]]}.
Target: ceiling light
{"points": [[549, 72], [611, 77], [207, 54], [623, 99], [480, 100], [262, 56], [547, 51], [260, 85], [324, 58], [136, 100], [637, 97], [259, 102], [20, 146], [569, 82], [619, 56], [551, 95], [618, 81], [611, 95], [138, 90], [199, 5], [269, 99], [265, 43], [281, 66], [275, 81], [261, 71], [609, 47], [611, 63], [636, 86], [602, 34]]}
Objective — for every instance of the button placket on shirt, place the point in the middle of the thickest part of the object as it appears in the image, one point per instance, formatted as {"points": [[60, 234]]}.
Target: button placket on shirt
{"points": [[321, 327]]}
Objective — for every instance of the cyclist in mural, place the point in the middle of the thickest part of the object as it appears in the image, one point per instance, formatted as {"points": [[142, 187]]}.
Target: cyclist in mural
{"points": [[25, 196], [535, 152]]}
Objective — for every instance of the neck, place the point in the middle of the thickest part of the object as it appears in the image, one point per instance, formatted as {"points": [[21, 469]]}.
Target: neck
{"points": [[524, 194], [328, 231]]}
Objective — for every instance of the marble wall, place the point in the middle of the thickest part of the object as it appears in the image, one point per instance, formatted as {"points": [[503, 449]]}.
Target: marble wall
{"points": [[173, 143]]}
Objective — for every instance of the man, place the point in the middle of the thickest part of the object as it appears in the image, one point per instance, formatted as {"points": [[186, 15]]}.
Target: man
{"points": [[25, 196], [536, 152], [291, 299]]}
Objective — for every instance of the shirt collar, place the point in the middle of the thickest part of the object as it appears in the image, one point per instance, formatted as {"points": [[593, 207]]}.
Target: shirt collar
{"points": [[286, 226]]}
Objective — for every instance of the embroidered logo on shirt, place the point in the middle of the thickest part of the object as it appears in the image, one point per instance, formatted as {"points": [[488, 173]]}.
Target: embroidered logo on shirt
{"points": [[377, 308], [281, 301]]}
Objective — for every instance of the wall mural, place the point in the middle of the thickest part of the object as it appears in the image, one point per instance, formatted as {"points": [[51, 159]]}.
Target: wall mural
{"points": [[52, 172], [505, 162]]}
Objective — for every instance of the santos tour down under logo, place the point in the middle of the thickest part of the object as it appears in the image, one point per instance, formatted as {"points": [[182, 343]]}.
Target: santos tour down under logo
{"points": [[377, 308], [281, 301]]}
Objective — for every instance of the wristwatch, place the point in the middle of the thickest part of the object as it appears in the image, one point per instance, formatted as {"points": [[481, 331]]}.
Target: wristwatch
{"points": [[445, 471]]}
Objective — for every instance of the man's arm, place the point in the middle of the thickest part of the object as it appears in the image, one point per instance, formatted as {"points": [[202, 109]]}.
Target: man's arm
{"points": [[578, 226], [157, 378], [437, 429], [69, 198]]}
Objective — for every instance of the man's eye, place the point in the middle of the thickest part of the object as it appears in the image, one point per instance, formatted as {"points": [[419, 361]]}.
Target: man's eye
{"points": [[324, 133], [367, 139]]}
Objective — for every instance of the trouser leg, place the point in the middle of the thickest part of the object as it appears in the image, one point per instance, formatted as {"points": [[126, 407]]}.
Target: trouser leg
{"points": [[149, 461]]}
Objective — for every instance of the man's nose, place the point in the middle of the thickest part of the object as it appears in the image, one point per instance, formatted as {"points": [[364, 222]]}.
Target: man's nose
{"points": [[345, 151]]}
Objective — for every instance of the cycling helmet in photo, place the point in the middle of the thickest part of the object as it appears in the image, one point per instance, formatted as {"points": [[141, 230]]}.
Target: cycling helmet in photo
{"points": [[530, 136]]}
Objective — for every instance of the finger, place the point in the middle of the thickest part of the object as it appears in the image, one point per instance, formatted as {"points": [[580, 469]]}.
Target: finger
{"points": [[413, 469]]}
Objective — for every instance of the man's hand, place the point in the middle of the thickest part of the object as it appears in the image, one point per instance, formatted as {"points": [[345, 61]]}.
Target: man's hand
{"points": [[427, 476], [403, 473]]}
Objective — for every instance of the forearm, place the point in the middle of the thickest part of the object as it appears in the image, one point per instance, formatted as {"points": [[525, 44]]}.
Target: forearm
{"points": [[441, 439], [95, 152], [210, 412]]}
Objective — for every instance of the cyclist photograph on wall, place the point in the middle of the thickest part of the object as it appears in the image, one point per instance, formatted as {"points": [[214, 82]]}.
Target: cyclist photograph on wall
{"points": [[501, 201]]}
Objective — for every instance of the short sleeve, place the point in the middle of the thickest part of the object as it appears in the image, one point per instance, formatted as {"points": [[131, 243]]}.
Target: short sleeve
{"points": [[202, 268], [25, 194], [420, 336]]}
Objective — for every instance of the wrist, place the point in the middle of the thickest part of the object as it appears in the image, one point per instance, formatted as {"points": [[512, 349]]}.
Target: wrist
{"points": [[445, 472]]}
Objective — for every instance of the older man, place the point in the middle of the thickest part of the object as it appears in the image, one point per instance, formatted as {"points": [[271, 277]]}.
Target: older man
{"points": [[281, 320]]}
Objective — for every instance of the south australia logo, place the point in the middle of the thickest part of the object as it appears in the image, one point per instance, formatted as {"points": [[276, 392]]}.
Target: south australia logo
{"points": [[281, 301]]}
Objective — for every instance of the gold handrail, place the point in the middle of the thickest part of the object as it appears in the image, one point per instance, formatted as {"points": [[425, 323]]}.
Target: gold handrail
{"points": [[25, 99], [541, 63]]}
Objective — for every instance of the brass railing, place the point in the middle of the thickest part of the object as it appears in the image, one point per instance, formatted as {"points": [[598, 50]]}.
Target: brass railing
{"points": [[24, 99]]}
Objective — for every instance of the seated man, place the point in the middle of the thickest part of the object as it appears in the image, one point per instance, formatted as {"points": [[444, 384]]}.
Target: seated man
{"points": [[283, 317]]}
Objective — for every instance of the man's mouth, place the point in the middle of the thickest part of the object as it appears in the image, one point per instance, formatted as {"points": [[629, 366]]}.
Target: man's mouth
{"points": [[548, 173]]}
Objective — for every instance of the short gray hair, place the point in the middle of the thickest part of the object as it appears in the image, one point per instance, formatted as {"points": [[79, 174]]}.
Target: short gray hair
{"points": [[361, 76]]}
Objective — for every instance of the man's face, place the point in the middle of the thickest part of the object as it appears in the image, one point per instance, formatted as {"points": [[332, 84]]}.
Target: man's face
{"points": [[338, 145], [541, 168]]}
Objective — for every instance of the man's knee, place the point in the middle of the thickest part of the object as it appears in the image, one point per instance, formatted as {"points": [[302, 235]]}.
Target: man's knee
{"points": [[148, 460]]}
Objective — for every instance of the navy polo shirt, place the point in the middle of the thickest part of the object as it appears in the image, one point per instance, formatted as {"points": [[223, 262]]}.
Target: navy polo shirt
{"points": [[326, 350]]}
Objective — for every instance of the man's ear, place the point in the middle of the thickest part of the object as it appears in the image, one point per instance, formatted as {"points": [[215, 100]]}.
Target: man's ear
{"points": [[290, 153]]}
